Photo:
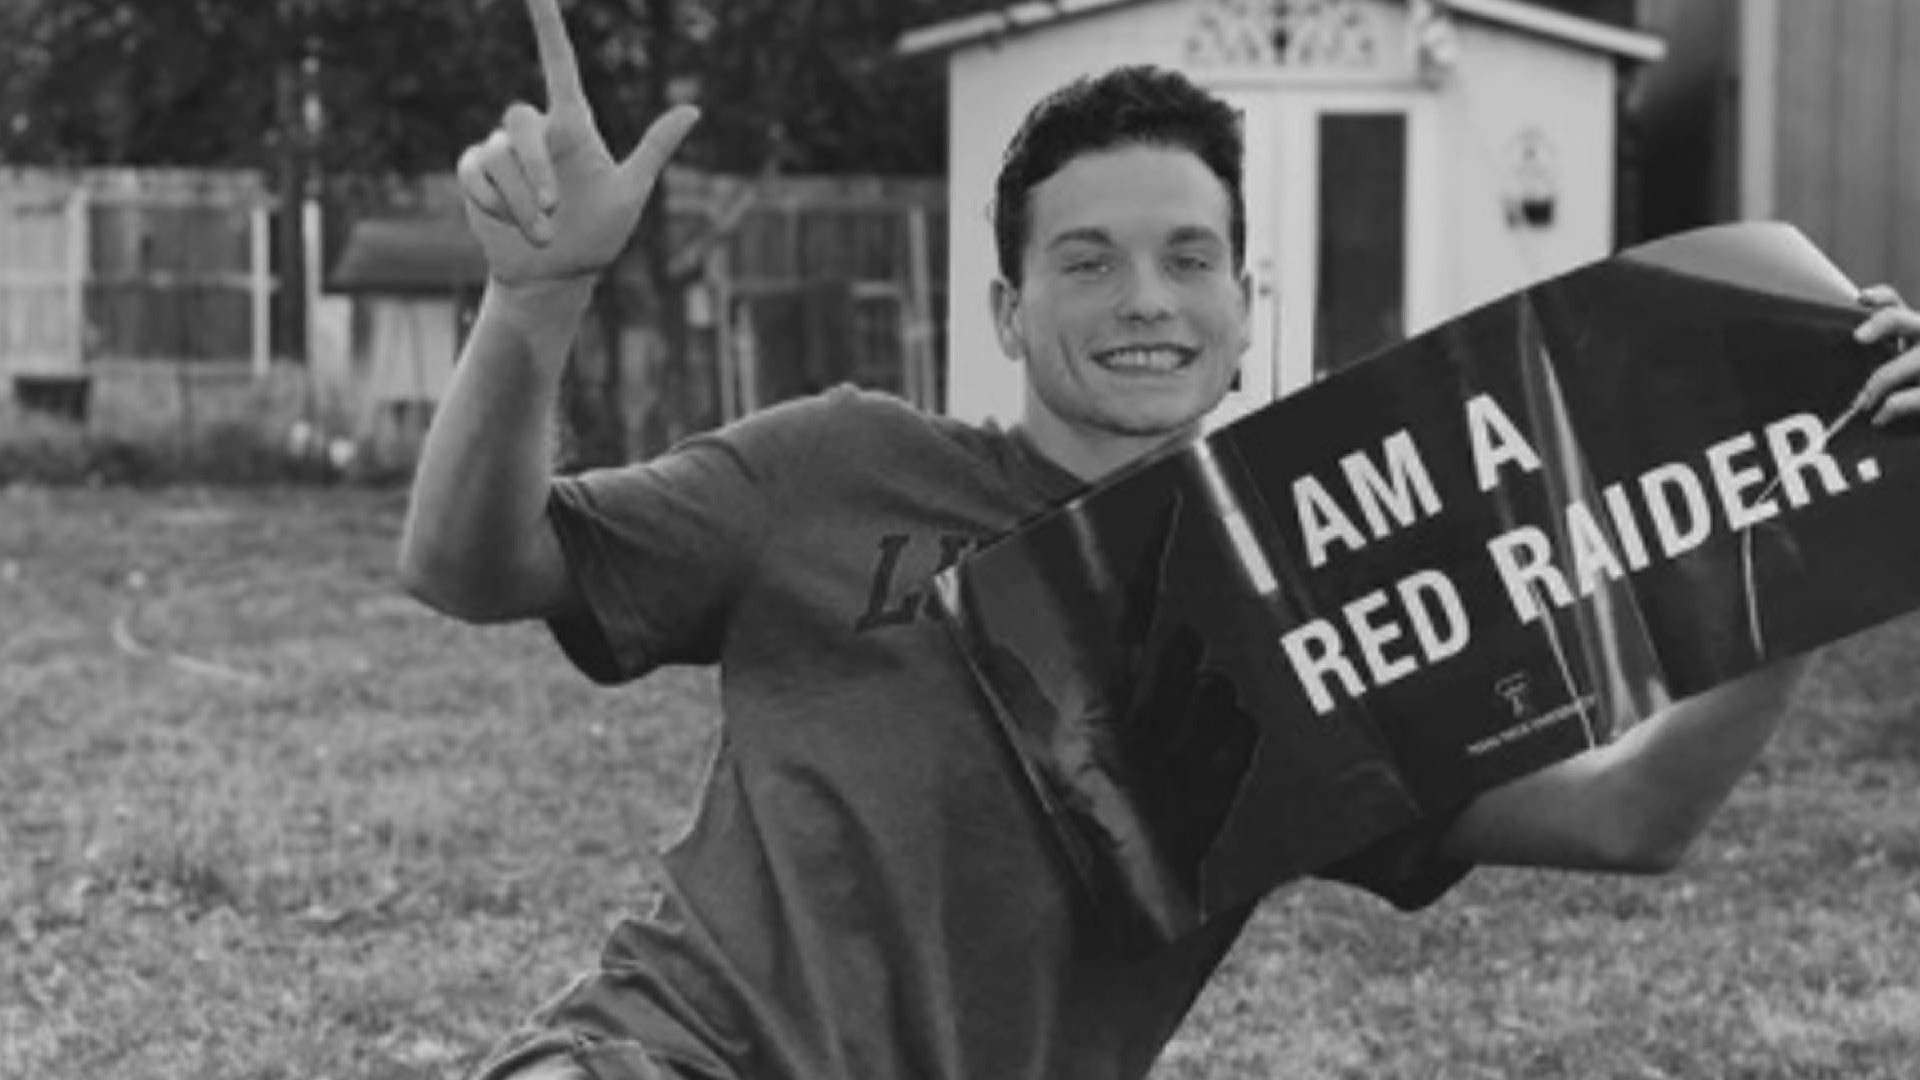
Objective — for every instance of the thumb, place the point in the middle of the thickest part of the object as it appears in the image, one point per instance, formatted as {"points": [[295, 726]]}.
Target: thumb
{"points": [[644, 165]]}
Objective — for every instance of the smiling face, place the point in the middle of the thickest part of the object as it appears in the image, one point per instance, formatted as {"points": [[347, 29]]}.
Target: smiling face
{"points": [[1130, 316]]}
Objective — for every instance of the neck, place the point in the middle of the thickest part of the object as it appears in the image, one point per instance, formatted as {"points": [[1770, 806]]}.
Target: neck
{"points": [[1090, 455]]}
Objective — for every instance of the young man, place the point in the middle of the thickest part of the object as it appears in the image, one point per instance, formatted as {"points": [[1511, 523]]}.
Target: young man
{"points": [[866, 891]]}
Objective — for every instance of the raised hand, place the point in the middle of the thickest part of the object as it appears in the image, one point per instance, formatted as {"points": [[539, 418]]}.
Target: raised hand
{"points": [[543, 196]]}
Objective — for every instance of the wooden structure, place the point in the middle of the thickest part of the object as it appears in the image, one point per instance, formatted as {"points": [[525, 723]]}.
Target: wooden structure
{"points": [[1407, 159], [791, 285], [119, 266], [160, 279], [1800, 112], [814, 281], [413, 286]]}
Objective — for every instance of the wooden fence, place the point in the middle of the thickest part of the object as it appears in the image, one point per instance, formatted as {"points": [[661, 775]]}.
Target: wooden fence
{"points": [[113, 279], [123, 265], [824, 280]]}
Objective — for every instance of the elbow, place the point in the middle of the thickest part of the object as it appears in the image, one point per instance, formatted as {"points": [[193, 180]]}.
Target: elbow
{"points": [[420, 579], [1650, 856], [439, 583], [1646, 844], [506, 580]]}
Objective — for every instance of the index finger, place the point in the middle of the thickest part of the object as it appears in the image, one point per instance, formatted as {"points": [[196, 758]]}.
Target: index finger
{"points": [[556, 55], [1896, 321]]}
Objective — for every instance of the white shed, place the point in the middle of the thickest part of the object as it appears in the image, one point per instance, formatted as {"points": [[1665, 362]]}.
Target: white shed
{"points": [[1406, 159]]}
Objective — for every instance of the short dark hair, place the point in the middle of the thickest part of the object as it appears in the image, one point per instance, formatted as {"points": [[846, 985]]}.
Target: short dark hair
{"points": [[1134, 105]]}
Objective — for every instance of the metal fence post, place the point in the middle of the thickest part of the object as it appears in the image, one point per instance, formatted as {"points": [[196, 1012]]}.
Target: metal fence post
{"points": [[262, 291]]}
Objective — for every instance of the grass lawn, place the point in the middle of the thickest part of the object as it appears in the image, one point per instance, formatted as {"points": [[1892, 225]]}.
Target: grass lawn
{"points": [[261, 817]]}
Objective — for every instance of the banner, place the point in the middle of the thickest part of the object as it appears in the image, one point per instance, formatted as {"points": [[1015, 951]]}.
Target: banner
{"points": [[1479, 552]]}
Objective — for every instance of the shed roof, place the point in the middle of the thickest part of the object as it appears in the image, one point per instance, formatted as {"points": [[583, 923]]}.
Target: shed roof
{"points": [[410, 255], [1019, 18]]}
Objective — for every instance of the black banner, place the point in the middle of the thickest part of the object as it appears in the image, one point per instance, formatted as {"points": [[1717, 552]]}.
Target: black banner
{"points": [[1480, 552]]}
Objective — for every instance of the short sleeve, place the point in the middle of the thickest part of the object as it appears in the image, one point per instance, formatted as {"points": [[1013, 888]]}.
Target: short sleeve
{"points": [[661, 551], [1406, 869]]}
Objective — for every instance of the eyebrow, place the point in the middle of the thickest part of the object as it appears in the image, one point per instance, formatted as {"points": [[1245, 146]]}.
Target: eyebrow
{"points": [[1088, 234], [1188, 234], [1083, 235]]}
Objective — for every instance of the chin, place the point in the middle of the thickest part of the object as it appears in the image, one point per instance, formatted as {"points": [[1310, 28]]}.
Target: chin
{"points": [[1155, 424], [1167, 416]]}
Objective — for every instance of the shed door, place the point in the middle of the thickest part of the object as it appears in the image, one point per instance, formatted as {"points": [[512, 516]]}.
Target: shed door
{"points": [[1339, 186]]}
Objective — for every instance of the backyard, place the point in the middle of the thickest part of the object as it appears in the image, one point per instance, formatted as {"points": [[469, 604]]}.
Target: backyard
{"points": [[262, 816]]}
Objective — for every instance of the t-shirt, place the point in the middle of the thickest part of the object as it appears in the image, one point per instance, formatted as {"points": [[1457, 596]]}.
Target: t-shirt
{"points": [[866, 889]]}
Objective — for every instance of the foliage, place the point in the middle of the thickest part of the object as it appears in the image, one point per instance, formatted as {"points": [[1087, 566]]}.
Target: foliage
{"points": [[161, 82], [403, 87]]}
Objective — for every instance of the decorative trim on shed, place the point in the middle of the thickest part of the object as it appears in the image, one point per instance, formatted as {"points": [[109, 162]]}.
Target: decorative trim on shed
{"points": [[1285, 33]]}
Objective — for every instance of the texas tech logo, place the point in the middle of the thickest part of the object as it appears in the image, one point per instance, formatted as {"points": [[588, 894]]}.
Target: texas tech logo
{"points": [[1516, 691]]}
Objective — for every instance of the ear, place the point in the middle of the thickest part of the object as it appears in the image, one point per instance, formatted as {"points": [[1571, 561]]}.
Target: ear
{"points": [[1246, 311], [1005, 299]]}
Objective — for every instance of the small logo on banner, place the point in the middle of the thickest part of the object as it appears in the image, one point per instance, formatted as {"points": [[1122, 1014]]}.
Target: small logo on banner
{"points": [[1516, 691]]}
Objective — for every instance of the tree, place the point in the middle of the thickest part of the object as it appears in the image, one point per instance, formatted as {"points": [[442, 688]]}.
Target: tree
{"points": [[785, 86], [195, 82]]}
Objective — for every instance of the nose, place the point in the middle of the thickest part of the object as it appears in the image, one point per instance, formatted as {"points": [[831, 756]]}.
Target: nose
{"points": [[1147, 297]]}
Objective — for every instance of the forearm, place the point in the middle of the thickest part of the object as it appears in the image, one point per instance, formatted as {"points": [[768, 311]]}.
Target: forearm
{"points": [[1666, 778], [476, 520], [1636, 804]]}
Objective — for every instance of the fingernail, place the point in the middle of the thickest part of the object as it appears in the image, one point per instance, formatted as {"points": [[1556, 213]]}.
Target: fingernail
{"points": [[543, 230], [547, 198]]}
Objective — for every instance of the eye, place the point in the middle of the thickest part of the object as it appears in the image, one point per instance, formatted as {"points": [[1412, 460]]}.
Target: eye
{"points": [[1192, 262], [1088, 266]]}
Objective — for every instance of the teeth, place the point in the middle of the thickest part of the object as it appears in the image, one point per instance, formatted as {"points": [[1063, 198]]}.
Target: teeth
{"points": [[1154, 360]]}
